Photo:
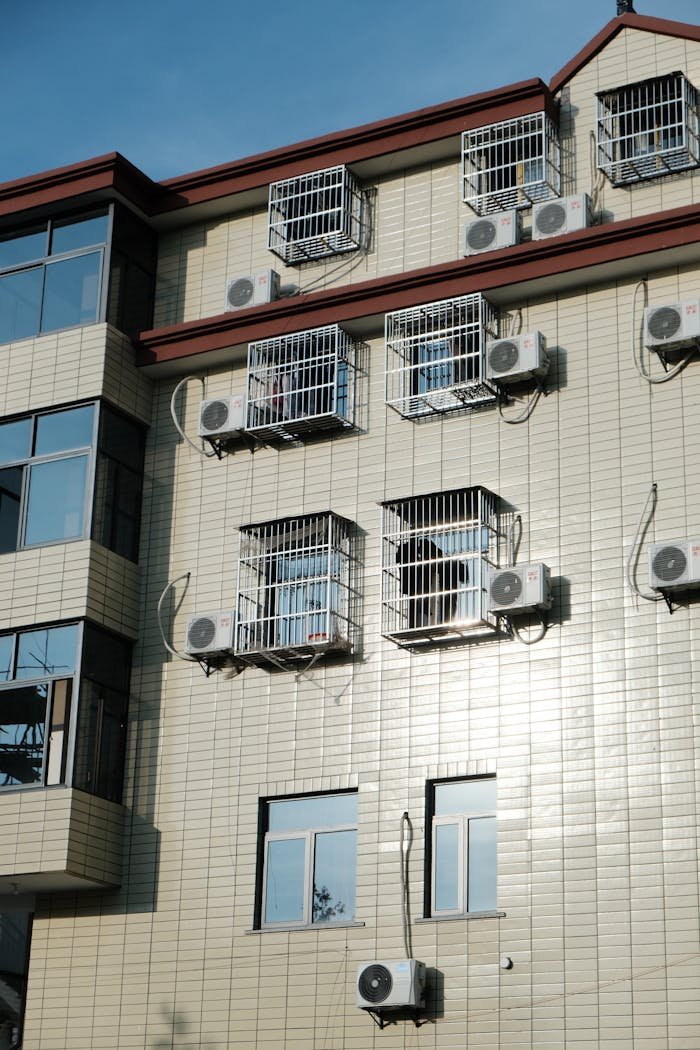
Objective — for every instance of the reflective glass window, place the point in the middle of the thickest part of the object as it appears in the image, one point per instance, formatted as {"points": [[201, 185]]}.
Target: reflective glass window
{"points": [[63, 431], [56, 500], [22, 734], [73, 234], [20, 303], [49, 652], [15, 440], [10, 504], [17, 249], [464, 847], [71, 292]]}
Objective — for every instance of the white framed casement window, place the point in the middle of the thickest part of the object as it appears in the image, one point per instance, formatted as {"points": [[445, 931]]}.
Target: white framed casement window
{"points": [[309, 861], [464, 864]]}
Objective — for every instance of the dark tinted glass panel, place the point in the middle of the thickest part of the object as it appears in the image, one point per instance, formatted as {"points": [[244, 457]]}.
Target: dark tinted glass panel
{"points": [[106, 659], [15, 440], [284, 895], [99, 752], [10, 494], [82, 233], [117, 508], [20, 299], [6, 650], [28, 246], [121, 439], [56, 500], [61, 431], [50, 652], [334, 876], [71, 292], [322, 811], [22, 734]]}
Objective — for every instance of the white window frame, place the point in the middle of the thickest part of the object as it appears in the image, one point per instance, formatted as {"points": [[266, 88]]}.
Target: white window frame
{"points": [[301, 229], [462, 821]]}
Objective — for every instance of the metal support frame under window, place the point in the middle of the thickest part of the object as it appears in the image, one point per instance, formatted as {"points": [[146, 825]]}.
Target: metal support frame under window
{"points": [[315, 215], [647, 129], [436, 553], [435, 356], [301, 383], [512, 164], [294, 588]]}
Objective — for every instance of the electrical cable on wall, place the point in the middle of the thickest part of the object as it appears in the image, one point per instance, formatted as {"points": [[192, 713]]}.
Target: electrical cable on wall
{"points": [[405, 841], [176, 421], [633, 557], [638, 348], [168, 646], [597, 177]]}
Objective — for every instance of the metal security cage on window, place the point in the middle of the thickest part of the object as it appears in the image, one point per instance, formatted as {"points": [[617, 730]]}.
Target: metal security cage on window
{"points": [[648, 129], [315, 215], [300, 383], [435, 356], [294, 588], [436, 550], [512, 164]]}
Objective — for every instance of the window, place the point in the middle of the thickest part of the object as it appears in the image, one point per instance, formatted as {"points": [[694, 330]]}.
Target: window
{"points": [[294, 584], [435, 356], [15, 936], [54, 274], [512, 164], [47, 463], [309, 861], [315, 215], [462, 851], [648, 129], [300, 383], [436, 551], [63, 699]]}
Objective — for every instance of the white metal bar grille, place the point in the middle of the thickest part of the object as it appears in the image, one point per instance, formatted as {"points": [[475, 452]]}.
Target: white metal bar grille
{"points": [[294, 587], [435, 555], [301, 382], [648, 129], [512, 164], [435, 356], [315, 215]]}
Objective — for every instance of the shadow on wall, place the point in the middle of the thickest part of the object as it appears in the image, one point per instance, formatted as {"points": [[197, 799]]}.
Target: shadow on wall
{"points": [[177, 1028]]}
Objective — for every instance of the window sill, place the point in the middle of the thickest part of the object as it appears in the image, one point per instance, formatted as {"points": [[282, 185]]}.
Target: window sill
{"points": [[319, 927], [467, 915]]}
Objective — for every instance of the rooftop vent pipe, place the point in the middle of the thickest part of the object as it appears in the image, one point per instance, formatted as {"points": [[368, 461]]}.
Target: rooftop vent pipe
{"points": [[625, 7]]}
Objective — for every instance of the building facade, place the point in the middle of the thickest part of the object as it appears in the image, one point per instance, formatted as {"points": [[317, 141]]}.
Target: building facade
{"points": [[350, 525]]}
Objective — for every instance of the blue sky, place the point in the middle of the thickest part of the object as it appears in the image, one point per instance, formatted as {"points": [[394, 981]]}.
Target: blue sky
{"points": [[186, 85]]}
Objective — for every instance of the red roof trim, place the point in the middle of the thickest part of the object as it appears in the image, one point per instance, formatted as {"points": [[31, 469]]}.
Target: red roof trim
{"points": [[524, 262], [662, 26]]}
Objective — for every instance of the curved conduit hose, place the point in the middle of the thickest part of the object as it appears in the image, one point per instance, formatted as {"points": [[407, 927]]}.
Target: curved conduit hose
{"points": [[405, 840], [168, 646], [637, 352], [176, 421], [644, 520]]}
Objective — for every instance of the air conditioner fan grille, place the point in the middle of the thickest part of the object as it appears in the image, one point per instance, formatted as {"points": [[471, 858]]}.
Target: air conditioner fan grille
{"points": [[214, 415], [481, 234], [669, 564], [375, 983], [201, 633], [551, 218], [664, 322], [503, 356], [240, 292], [506, 588]]}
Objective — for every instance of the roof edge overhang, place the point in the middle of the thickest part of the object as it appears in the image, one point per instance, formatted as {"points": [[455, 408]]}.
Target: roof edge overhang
{"points": [[574, 258], [646, 23]]}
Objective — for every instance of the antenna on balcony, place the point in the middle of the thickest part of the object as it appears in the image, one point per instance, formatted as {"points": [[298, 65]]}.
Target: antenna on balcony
{"points": [[625, 7]]}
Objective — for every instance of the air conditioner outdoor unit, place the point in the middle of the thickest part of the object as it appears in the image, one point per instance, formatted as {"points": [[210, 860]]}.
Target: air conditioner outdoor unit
{"points": [[675, 566], [252, 290], [672, 326], [221, 417], [209, 634], [385, 985], [517, 357], [491, 232], [553, 218], [520, 589]]}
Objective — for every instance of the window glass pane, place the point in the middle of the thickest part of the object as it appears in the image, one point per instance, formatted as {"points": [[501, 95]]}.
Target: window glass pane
{"points": [[15, 440], [99, 749], [56, 500], [28, 246], [106, 659], [51, 652], [334, 877], [71, 292], [465, 796], [22, 725], [83, 233], [6, 648], [121, 439], [20, 302], [60, 431], [284, 896], [322, 811], [482, 864], [10, 493], [446, 867]]}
